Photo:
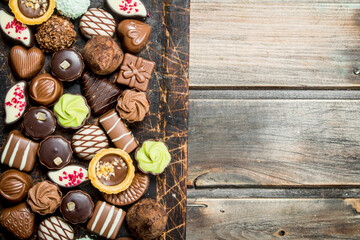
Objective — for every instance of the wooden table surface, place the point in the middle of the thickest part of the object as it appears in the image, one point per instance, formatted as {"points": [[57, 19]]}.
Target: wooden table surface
{"points": [[274, 118]]}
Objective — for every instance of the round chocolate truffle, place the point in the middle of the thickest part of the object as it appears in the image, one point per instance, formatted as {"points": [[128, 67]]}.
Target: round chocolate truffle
{"points": [[76, 206], [38, 123], [147, 219], [103, 55], [55, 152], [55, 34], [67, 65], [45, 90]]}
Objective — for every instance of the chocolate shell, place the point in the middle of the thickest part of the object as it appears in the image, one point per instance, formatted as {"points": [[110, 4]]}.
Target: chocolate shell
{"points": [[67, 65], [14, 185], [38, 123], [76, 206], [16, 103], [69, 176], [128, 8], [55, 152], [134, 35], [45, 90]]}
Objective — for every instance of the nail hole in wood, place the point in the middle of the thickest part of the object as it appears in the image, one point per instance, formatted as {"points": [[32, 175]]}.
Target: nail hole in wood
{"points": [[281, 233], [356, 71]]}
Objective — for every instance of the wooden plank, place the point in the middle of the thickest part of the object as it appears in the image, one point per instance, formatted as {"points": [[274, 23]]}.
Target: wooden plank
{"points": [[168, 92], [304, 43], [273, 219], [252, 143]]}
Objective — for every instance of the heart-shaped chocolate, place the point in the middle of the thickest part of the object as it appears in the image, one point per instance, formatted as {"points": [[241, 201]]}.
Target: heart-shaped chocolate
{"points": [[26, 63], [134, 34]]}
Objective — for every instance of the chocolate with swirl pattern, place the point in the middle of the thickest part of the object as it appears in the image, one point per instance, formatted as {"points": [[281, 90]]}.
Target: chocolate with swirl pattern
{"points": [[133, 105], [14, 185]]}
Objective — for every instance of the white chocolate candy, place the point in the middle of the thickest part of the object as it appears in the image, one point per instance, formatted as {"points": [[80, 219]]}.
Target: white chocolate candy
{"points": [[54, 228], [15, 103], [97, 22], [128, 8], [15, 30], [69, 176]]}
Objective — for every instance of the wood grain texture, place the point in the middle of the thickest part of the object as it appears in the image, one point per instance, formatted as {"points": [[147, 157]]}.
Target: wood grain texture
{"points": [[304, 43], [273, 219], [167, 120], [248, 142]]}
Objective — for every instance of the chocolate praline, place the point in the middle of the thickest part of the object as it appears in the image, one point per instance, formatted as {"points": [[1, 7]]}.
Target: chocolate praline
{"points": [[67, 65], [76, 206], [14, 185], [55, 152], [38, 123], [45, 90]]}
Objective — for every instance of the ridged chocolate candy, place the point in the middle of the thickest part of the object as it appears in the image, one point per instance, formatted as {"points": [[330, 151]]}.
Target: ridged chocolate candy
{"points": [[100, 93], [14, 185]]}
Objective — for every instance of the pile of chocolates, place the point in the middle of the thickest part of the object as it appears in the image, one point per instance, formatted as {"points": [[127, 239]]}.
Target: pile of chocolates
{"points": [[42, 104]]}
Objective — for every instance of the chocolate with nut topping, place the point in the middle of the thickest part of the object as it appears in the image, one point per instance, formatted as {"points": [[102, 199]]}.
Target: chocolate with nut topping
{"points": [[33, 8], [111, 170], [39, 122]]}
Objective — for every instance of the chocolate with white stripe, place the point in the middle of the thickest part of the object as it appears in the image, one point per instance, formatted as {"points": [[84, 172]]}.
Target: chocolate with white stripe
{"points": [[54, 228], [118, 132], [19, 152], [106, 220]]}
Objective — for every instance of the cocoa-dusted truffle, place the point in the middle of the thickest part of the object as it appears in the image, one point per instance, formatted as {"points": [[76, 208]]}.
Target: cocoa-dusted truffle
{"points": [[147, 219], [55, 34], [103, 55]]}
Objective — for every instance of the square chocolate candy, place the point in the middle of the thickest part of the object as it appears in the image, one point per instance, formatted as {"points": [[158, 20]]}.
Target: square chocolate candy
{"points": [[19, 152], [106, 220], [135, 72]]}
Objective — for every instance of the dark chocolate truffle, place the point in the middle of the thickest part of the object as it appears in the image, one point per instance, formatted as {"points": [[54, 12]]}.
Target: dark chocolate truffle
{"points": [[76, 206], [39, 122], [67, 65], [147, 219], [103, 55], [55, 152]]}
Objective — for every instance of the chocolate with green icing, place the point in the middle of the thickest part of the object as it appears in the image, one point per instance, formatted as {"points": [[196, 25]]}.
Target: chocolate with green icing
{"points": [[72, 111], [153, 157]]}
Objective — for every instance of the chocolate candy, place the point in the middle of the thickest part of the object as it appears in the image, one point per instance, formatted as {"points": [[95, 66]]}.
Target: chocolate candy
{"points": [[97, 22], [15, 102], [134, 34], [137, 189], [118, 132], [26, 63], [102, 55], [45, 90], [19, 152], [19, 220], [14, 30], [32, 11], [128, 8], [55, 152], [14, 185], [70, 176], [67, 65], [100, 93], [88, 141], [133, 105], [119, 167], [135, 72], [38, 123], [55, 228], [76, 206], [106, 220], [44, 197]]}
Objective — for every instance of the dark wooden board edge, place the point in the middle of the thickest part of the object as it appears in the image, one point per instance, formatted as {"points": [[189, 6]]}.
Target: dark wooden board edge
{"points": [[168, 92]]}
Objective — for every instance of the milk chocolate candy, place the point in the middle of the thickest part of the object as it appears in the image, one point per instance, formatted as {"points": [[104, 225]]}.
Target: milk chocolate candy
{"points": [[14, 30], [67, 65], [55, 152], [69, 176], [97, 22], [128, 8], [55, 228], [15, 103], [45, 90], [26, 63], [136, 190], [88, 141], [19, 220], [76, 206], [19, 152], [135, 72], [100, 93], [38, 123], [134, 34], [118, 132], [14, 185], [106, 220]]}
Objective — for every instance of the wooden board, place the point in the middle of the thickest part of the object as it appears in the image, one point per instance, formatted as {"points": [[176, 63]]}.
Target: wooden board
{"points": [[282, 43], [284, 142], [273, 219], [168, 93]]}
